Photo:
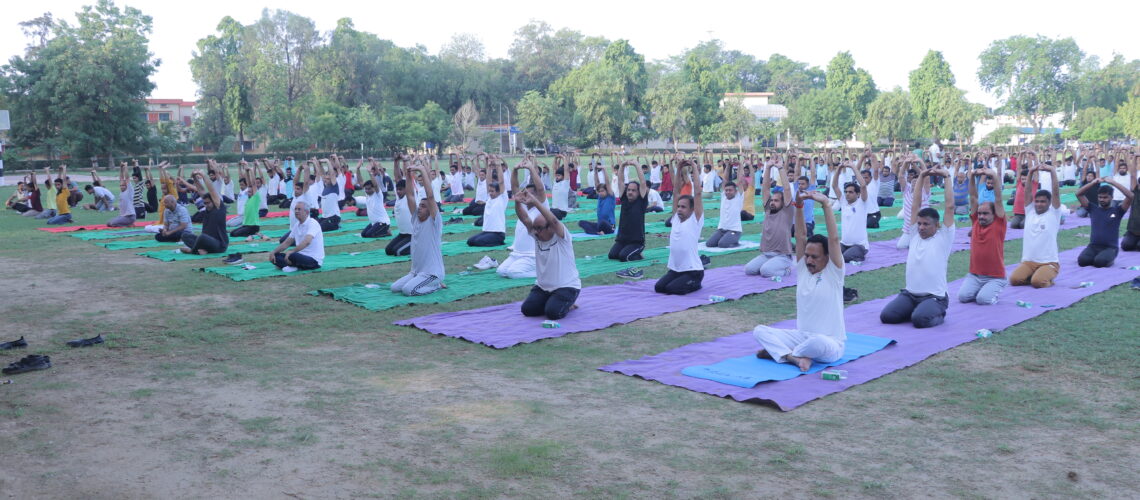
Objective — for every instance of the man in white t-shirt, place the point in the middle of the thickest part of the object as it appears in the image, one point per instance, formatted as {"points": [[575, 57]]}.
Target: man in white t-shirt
{"points": [[379, 225], [654, 174], [494, 217], [454, 186], [871, 186], [557, 284], [656, 204], [520, 264], [686, 272], [729, 228], [309, 252], [820, 334], [853, 206], [560, 194], [427, 272], [1040, 262], [924, 300], [708, 182]]}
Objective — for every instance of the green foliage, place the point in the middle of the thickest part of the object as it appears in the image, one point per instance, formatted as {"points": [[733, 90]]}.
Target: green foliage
{"points": [[854, 84], [1033, 76], [999, 136], [736, 123], [605, 96], [541, 118], [821, 115], [890, 116], [542, 55], [932, 75], [952, 115], [1129, 115], [791, 79], [1107, 87], [670, 106], [82, 90], [1093, 125]]}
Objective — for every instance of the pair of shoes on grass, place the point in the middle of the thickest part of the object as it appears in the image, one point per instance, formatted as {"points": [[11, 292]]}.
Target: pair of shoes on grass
{"points": [[31, 362]]}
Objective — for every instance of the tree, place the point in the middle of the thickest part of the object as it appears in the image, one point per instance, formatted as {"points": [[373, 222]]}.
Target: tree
{"points": [[821, 115], [1107, 87], [933, 74], [464, 48], [791, 79], [670, 106], [890, 116], [736, 123], [1034, 76], [999, 136], [83, 90], [282, 71], [953, 115], [701, 67], [1092, 125], [542, 55], [854, 84], [541, 118], [437, 122], [465, 125], [605, 96], [1129, 116]]}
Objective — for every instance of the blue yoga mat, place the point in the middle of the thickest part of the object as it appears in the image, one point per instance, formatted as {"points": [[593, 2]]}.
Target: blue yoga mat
{"points": [[747, 371]]}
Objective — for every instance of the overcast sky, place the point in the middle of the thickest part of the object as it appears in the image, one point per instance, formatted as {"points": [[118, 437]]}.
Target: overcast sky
{"points": [[889, 39]]}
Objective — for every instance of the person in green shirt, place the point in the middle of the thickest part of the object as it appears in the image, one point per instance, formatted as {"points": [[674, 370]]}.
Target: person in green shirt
{"points": [[251, 221]]}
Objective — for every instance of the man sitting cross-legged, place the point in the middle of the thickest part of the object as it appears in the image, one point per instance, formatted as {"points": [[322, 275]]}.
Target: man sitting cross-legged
{"points": [[1104, 240], [309, 252], [986, 278], [557, 284], [924, 301], [1039, 254], [820, 333]]}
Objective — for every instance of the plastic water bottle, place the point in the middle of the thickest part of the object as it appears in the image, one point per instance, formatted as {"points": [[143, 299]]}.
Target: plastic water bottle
{"points": [[833, 374], [1134, 268], [1087, 284], [1022, 303], [717, 298], [984, 333], [856, 263], [465, 272], [777, 278], [371, 285], [589, 257], [551, 324]]}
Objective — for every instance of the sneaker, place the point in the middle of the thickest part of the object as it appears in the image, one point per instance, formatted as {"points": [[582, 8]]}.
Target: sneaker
{"points": [[705, 260], [288, 269], [1135, 286], [15, 344], [457, 211], [29, 363], [631, 273], [454, 220], [850, 294], [98, 339], [233, 259], [486, 263]]}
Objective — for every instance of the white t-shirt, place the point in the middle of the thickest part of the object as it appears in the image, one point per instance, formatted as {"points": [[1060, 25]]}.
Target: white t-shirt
{"points": [[227, 189], [560, 195], [1069, 172], [275, 184], [403, 216], [872, 189], [427, 241], [316, 248], [730, 213], [495, 214], [523, 245], [1123, 180], [314, 192], [102, 192], [456, 184], [264, 192], [654, 199], [309, 204], [683, 239], [655, 174], [376, 212], [707, 181], [481, 191], [436, 186], [468, 179], [819, 301], [1040, 240], [927, 259], [1046, 180], [854, 220], [341, 182], [554, 264], [240, 202], [329, 205]]}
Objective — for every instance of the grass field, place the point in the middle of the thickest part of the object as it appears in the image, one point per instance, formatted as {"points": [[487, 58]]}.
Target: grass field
{"points": [[208, 388]]}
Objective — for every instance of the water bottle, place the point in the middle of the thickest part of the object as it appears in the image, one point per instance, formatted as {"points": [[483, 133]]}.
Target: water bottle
{"points": [[717, 298], [777, 278], [1134, 268], [1087, 284], [984, 333], [1022, 303], [551, 324], [833, 374]]}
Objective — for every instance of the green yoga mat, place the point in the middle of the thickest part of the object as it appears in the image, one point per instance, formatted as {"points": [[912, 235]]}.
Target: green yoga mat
{"points": [[379, 297], [331, 240], [333, 262]]}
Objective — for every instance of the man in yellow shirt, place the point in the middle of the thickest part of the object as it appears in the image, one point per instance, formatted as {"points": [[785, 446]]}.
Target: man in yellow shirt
{"points": [[63, 209]]}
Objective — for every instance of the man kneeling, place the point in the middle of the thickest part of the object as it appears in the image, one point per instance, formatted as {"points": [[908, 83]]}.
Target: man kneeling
{"points": [[309, 240], [820, 333], [557, 284]]}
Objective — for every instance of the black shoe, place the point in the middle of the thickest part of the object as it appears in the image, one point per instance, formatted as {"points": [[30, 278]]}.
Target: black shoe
{"points": [[28, 364], [385, 234], [98, 339], [454, 220], [632, 273], [850, 294], [705, 260], [1135, 286], [15, 344], [233, 259]]}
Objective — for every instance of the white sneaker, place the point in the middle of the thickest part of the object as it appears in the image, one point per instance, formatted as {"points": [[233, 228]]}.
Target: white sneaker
{"points": [[486, 263], [457, 211], [288, 269]]}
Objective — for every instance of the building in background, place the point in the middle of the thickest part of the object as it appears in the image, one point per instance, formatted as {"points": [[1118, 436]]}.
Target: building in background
{"points": [[174, 113]]}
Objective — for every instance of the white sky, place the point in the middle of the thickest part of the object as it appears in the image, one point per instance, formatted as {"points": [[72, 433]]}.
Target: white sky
{"points": [[889, 39]]}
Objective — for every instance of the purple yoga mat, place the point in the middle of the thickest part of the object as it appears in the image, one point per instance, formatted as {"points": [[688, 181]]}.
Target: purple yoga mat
{"points": [[913, 345], [607, 305]]}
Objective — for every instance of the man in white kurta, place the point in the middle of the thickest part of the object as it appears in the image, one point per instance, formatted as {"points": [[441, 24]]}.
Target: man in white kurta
{"points": [[820, 334]]}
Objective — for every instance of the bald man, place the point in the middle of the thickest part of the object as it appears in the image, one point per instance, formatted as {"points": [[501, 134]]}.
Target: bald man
{"points": [[175, 221], [309, 252], [557, 284]]}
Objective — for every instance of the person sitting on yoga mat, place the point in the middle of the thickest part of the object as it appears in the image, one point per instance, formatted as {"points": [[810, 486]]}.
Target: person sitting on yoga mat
{"points": [[1039, 254], [1104, 242], [330, 193], [775, 257], [520, 264], [986, 278], [910, 166], [250, 221], [924, 300], [557, 284], [378, 221], [127, 214], [454, 185], [402, 243], [853, 205], [820, 333], [630, 239], [214, 238], [175, 221], [605, 210], [478, 203], [427, 273], [871, 184], [685, 268], [1131, 241], [309, 252], [494, 216], [729, 227]]}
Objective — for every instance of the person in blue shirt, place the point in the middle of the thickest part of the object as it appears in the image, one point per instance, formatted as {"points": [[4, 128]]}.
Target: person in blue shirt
{"points": [[606, 201], [803, 184]]}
